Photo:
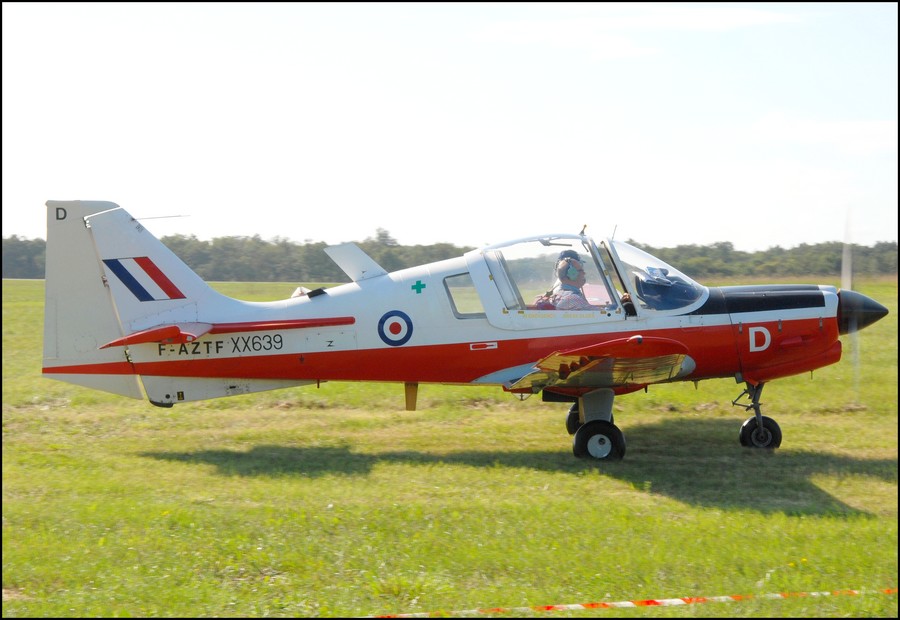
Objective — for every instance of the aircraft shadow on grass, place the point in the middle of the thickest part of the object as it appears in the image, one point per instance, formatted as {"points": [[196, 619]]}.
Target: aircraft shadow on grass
{"points": [[694, 461]]}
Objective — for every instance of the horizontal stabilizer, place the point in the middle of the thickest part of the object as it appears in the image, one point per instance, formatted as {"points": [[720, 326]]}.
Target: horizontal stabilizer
{"points": [[181, 333], [168, 334]]}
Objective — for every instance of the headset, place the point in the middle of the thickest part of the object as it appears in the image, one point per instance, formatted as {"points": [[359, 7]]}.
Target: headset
{"points": [[567, 269]]}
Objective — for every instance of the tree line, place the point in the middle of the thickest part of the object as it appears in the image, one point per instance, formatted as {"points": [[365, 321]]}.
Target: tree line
{"points": [[252, 259]]}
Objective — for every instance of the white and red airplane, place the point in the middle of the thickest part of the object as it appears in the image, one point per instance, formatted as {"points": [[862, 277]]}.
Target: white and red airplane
{"points": [[123, 314]]}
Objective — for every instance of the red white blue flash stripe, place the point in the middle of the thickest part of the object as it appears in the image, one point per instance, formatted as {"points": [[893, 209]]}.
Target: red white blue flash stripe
{"points": [[143, 278]]}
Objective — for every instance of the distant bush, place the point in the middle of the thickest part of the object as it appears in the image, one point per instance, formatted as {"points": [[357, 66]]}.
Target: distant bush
{"points": [[249, 259]]}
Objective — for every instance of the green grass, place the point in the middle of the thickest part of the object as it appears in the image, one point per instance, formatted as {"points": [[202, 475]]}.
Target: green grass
{"points": [[336, 502]]}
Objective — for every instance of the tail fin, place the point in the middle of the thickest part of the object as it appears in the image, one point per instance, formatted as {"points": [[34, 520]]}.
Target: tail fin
{"points": [[107, 278]]}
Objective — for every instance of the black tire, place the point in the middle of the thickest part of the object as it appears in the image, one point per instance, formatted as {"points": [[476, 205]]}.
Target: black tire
{"points": [[767, 437], [599, 440], [572, 421]]}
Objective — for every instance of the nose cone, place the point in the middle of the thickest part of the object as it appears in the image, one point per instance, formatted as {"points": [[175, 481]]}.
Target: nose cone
{"points": [[856, 311]]}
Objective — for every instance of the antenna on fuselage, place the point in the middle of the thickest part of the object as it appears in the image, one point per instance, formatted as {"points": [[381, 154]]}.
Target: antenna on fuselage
{"points": [[615, 228]]}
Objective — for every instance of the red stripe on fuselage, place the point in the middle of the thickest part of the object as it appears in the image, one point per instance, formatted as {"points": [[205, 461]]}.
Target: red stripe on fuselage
{"points": [[446, 363], [714, 350]]}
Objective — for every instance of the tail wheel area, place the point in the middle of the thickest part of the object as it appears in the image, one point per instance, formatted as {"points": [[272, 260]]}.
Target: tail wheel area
{"points": [[599, 440], [763, 433]]}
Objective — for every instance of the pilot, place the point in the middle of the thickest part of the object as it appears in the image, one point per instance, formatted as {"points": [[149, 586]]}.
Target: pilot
{"points": [[562, 256], [567, 292]]}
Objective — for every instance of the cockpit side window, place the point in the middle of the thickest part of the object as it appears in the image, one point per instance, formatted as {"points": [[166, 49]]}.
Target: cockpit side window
{"points": [[464, 298]]}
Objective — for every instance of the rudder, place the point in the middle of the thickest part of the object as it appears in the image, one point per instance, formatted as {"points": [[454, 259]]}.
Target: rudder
{"points": [[79, 314]]}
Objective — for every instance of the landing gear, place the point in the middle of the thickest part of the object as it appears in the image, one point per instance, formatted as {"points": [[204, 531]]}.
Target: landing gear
{"points": [[573, 419], [573, 422], [599, 440], [590, 420], [758, 431], [755, 436]]}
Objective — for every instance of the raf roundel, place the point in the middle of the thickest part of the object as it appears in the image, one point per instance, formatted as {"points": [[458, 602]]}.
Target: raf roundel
{"points": [[395, 328]]}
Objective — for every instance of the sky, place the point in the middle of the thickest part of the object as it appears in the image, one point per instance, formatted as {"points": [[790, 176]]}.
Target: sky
{"points": [[757, 124]]}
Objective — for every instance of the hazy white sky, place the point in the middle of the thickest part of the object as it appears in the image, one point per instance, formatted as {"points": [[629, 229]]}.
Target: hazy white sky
{"points": [[759, 124]]}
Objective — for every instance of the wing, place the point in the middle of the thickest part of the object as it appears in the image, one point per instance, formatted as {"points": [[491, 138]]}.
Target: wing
{"points": [[633, 361]]}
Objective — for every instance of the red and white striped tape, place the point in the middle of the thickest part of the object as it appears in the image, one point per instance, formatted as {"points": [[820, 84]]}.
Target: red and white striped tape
{"points": [[662, 602]]}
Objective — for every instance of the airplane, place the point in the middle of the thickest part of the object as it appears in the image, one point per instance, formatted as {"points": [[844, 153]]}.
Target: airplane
{"points": [[125, 315]]}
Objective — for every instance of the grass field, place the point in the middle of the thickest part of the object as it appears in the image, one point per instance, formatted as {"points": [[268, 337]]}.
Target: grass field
{"points": [[337, 502]]}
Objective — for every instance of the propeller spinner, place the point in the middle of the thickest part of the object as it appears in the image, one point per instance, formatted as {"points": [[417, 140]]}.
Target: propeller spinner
{"points": [[856, 311]]}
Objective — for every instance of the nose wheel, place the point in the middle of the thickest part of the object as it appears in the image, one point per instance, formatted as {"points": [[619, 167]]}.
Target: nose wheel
{"points": [[758, 431], [755, 436]]}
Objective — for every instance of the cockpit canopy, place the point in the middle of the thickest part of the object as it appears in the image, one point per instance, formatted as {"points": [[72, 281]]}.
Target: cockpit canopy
{"points": [[656, 285], [527, 272]]}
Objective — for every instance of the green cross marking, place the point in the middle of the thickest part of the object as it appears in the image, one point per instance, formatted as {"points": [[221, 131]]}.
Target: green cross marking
{"points": [[418, 286]]}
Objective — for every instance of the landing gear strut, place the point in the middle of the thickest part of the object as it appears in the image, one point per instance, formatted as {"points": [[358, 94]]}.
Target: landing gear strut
{"points": [[573, 419], [757, 431], [590, 420]]}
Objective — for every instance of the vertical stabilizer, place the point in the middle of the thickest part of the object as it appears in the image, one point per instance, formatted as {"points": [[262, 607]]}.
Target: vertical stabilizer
{"points": [[149, 284], [112, 288]]}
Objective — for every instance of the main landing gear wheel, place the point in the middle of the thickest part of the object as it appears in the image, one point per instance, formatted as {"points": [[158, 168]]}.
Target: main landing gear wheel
{"points": [[599, 440], [752, 436], [573, 422]]}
